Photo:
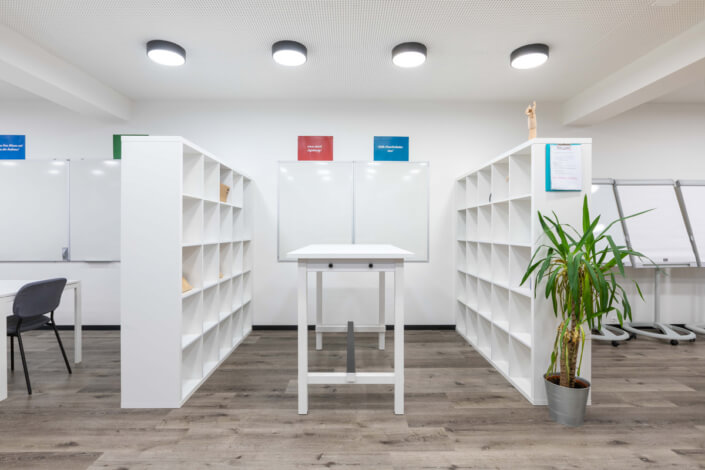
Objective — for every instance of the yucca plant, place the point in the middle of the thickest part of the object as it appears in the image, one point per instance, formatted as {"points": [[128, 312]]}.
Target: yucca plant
{"points": [[582, 272]]}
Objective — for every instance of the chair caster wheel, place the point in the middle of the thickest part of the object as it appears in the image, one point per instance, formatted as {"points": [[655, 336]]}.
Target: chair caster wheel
{"points": [[615, 343], [631, 336], [674, 342]]}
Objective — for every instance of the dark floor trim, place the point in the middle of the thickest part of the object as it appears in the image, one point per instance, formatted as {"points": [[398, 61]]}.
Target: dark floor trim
{"points": [[389, 327]]}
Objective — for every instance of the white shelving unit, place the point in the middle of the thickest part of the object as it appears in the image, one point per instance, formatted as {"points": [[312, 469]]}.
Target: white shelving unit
{"points": [[497, 230], [174, 225]]}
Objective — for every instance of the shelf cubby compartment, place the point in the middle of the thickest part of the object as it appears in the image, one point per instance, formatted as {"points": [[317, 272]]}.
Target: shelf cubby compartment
{"points": [[238, 231], [500, 349], [500, 307], [519, 358], [237, 190], [472, 230], [192, 175], [484, 298], [211, 308], [192, 319], [237, 326], [461, 318], [484, 223], [484, 335], [461, 256], [247, 256], [461, 225], [461, 286], [471, 191], [519, 258], [484, 261], [211, 273], [238, 267], [520, 317], [500, 180], [226, 223], [225, 299], [471, 264], [191, 368], [246, 287], [236, 293], [211, 353], [248, 216], [211, 222], [191, 269], [226, 261], [211, 179], [519, 175], [460, 196], [500, 264], [226, 178], [500, 222], [225, 336], [471, 292], [520, 222], [247, 318], [192, 219], [471, 325], [484, 186]]}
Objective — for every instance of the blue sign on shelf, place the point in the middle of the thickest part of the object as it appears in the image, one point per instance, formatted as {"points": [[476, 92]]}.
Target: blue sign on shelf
{"points": [[12, 147], [394, 149]]}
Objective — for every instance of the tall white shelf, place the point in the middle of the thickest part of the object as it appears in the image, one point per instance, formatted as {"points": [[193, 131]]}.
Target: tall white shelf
{"points": [[496, 232], [174, 225]]}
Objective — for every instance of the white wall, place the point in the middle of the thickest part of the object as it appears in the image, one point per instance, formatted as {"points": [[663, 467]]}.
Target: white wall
{"points": [[651, 141]]}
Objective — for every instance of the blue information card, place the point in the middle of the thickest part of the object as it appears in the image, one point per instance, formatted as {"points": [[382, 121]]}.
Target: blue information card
{"points": [[395, 149], [12, 147]]}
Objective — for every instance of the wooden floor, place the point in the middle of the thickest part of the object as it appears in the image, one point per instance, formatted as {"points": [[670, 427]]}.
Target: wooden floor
{"points": [[648, 412]]}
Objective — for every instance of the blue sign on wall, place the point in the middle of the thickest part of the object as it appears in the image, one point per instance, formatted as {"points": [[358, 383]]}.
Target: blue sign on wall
{"points": [[394, 149], [12, 147]]}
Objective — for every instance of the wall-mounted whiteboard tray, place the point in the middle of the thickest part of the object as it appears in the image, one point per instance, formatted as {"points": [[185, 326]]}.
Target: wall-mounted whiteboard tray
{"points": [[315, 205], [34, 204], [694, 199], [661, 233], [94, 196], [604, 203], [391, 205]]}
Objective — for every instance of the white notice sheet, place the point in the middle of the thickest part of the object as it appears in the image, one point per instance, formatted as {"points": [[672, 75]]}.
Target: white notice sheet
{"points": [[565, 168]]}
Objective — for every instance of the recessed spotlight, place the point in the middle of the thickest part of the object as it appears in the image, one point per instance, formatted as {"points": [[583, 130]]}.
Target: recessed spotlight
{"points": [[289, 53], [409, 54], [166, 53], [529, 56]]}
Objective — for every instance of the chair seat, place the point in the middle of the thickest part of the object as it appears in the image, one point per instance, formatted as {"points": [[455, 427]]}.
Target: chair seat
{"points": [[31, 323]]}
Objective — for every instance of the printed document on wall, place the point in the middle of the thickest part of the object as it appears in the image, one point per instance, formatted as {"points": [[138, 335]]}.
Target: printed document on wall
{"points": [[563, 168]]}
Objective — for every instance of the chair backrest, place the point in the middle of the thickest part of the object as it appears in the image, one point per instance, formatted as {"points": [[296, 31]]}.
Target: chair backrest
{"points": [[38, 298]]}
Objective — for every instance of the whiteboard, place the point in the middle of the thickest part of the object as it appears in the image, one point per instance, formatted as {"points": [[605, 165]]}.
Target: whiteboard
{"points": [[315, 204], [694, 197], [660, 234], [94, 193], [391, 205], [34, 208], [604, 203]]}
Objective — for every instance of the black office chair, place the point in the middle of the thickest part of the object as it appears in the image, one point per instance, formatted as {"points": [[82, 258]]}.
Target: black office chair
{"points": [[32, 302]]}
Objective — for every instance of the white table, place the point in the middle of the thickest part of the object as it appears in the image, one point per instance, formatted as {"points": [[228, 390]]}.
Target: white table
{"points": [[350, 258], [8, 290]]}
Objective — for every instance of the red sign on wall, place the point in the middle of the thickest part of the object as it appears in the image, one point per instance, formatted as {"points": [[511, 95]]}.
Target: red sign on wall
{"points": [[315, 147]]}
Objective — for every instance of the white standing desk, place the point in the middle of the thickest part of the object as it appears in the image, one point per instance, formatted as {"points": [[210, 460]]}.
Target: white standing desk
{"points": [[8, 290], [350, 258]]}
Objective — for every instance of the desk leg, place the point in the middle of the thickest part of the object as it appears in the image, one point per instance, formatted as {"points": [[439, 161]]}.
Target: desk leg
{"points": [[382, 305], [303, 338], [77, 325], [399, 339], [319, 309]]}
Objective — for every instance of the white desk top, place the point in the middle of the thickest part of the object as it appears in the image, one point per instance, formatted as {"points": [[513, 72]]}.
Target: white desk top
{"points": [[9, 288], [349, 252]]}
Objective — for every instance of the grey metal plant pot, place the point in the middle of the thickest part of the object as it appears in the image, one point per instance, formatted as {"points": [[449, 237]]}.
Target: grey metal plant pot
{"points": [[567, 405]]}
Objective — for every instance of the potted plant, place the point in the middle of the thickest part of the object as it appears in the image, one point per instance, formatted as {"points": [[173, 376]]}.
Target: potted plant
{"points": [[582, 272]]}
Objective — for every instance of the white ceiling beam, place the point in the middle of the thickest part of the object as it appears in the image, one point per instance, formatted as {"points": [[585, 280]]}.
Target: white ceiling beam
{"points": [[671, 66], [27, 66]]}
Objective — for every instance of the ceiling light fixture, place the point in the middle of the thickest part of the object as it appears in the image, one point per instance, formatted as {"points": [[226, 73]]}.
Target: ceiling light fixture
{"points": [[166, 53], [289, 53], [529, 56], [409, 54]]}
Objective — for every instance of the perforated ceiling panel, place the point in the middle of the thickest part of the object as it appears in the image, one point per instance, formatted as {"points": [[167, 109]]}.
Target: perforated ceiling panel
{"points": [[228, 44]]}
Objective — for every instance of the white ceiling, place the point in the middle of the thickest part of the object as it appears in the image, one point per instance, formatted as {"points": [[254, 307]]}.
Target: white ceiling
{"points": [[10, 92], [693, 93], [228, 44]]}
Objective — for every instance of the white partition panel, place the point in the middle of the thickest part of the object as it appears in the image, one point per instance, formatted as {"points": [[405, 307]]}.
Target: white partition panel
{"points": [[604, 203], [693, 199], [661, 233], [315, 204], [391, 205], [34, 208], [95, 210]]}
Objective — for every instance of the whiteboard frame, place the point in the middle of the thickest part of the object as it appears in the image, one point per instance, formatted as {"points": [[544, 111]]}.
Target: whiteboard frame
{"points": [[352, 235], [686, 216]]}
